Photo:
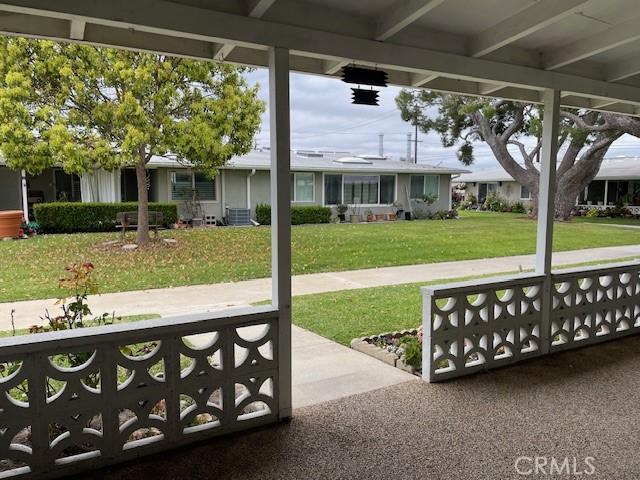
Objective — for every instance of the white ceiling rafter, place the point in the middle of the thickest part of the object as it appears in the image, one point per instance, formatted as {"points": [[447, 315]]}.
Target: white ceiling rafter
{"points": [[314, 46], [403, 14], [611, 38], [255, 9], [76, 29], [536, 17]]}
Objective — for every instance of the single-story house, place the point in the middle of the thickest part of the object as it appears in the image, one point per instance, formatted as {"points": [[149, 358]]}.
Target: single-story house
{"points": [[618, 181], [318, 178]]}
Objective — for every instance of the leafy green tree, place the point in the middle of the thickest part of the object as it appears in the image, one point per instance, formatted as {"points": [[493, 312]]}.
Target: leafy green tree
{"points": [[584, 138], [85, 108]]}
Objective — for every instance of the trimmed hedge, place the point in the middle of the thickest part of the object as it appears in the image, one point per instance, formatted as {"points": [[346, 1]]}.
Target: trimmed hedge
{"points": [[72, 217], [299, 215]]}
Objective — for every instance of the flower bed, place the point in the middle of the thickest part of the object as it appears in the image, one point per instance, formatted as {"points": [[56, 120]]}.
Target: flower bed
{"points": [[401, 349]]}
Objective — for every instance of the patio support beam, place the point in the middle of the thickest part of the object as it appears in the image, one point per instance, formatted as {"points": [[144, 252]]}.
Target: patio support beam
{"points": [[536, 17], [401, 15], [255, 9], [546, 205], [616, 36], [279, 130]]}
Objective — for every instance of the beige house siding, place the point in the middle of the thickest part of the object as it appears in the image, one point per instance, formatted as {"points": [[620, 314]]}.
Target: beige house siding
{"points": [[507, 190]]}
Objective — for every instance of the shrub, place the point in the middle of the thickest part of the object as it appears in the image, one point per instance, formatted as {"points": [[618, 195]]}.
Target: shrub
{"points": [[495, 203], [299, 215], [593, 212], [412, 351], [263, 214], [72, 217], [518, 207]]}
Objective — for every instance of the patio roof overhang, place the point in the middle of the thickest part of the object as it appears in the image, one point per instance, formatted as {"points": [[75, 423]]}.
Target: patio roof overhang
{"points": [[587, 49]]}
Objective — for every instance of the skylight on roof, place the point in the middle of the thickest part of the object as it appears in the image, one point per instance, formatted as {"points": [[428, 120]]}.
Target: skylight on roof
{"points": [[353, 160]]}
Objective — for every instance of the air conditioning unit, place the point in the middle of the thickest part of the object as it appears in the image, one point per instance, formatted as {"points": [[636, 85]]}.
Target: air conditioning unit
{"points": [[239, 216]]}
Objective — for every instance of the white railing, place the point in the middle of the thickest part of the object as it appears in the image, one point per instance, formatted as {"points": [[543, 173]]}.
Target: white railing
{"points": [[80, 399], [484, 324], [591, 305]]}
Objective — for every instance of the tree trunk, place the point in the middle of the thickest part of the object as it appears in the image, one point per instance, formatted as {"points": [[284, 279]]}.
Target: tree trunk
{"points": [[142, 236]]}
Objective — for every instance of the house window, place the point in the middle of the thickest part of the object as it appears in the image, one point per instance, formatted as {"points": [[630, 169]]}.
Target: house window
{"points": [[525, 194], [360, 189], [302, 187], [187, 185], [332, 189], [387, 189], [421, 185], [67, 186]]}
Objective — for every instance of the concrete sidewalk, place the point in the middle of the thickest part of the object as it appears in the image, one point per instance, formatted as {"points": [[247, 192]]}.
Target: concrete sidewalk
{"points": [[199, 298]]}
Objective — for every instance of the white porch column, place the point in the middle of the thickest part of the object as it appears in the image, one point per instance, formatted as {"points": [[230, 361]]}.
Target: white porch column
{"points": [[546, 205], [25, 196], [606, 193], [281, 217]]}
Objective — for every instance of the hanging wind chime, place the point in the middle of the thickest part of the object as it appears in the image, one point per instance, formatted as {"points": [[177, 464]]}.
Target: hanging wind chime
{"points": [[364, 76]]}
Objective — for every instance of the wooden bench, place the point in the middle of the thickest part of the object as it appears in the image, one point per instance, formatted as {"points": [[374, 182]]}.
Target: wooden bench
{"points": [[129, 220]]}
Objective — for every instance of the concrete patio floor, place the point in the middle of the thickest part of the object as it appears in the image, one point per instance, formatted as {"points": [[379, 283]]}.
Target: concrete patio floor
{"points": [[583, 403]]}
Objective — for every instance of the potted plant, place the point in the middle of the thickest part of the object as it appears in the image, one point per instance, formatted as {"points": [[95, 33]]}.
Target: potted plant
{"points": [[10, 223], [354, 216], [370, 216], [342, 209], [391, 216], [379, 217], [399, 209]]}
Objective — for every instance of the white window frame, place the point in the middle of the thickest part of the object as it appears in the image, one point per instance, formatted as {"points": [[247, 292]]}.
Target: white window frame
{"points": [[193, 185], [525, 198], [313, 183], [424, 183]]}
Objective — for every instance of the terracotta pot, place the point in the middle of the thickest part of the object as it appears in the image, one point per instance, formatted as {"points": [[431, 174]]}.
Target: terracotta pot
{"points": [[10, 223], [391, 216], [379, 217]]}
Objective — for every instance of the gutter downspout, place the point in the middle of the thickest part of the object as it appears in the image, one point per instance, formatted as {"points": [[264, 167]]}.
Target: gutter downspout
{"points": [[253, 172], [25, 199], [223, 197]]}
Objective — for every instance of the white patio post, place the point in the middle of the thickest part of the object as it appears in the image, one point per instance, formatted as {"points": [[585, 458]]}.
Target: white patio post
{"points": [[25, 196], [546, 206], [281, 218]]}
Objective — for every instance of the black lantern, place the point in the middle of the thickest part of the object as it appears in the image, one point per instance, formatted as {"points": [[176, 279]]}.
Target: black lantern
{"points": [[364, 97]]}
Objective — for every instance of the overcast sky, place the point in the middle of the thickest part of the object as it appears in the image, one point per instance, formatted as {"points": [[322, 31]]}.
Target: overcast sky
{"points": [[323, 118]]}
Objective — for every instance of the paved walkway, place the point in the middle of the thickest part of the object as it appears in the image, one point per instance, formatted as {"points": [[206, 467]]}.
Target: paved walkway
{"points": [[199, 298]]}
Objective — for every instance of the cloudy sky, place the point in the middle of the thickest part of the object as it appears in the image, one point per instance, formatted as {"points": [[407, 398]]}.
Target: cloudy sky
{"points": [[323, 118]]}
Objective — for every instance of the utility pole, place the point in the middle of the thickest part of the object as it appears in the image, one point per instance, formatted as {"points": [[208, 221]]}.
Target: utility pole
{"points": [[381, 144], [415, 145]]}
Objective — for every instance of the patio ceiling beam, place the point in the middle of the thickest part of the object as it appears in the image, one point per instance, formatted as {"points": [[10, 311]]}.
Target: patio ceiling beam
{"points": [[255, 9], [536, 17], [168, 18], [419, 80], [616, 36], [403, 14], [76, 29], [621, 70], [334, 66]]}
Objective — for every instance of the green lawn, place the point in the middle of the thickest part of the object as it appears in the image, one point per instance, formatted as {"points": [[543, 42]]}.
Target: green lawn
{"points": [[30, 268], [608, 221], [343, 316]]}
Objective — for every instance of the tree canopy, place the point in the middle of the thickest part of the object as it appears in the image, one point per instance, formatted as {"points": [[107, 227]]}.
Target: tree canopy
{"points": [[461, 121], [83, 108]]}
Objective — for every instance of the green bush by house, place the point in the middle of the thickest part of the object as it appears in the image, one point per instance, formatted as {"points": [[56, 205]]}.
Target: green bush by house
{"points": [[72, 217], [299, 215]]}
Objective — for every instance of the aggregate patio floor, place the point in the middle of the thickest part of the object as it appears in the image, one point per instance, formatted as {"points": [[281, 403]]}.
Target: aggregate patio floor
{"points": [[575, 404]]}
